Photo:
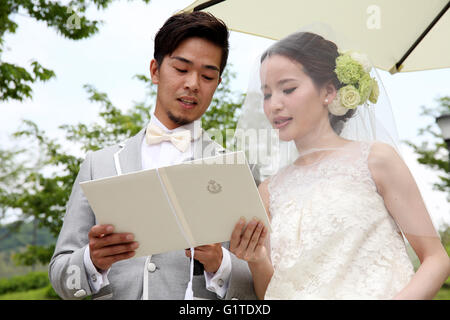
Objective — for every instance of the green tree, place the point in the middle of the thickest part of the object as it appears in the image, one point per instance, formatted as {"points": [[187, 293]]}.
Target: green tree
{"points": [[221, 118], [41, 188], [67, 20], [434, 154]]}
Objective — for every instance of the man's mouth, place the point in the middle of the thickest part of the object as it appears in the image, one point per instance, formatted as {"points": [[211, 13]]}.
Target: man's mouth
{"points": [[187, 103]]}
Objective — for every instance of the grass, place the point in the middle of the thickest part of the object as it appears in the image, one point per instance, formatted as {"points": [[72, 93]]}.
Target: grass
{"points": [[443, 294], [36, 294]]}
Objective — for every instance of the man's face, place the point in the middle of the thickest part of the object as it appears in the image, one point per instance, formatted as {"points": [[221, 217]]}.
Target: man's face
{"points": [[186, 81]]}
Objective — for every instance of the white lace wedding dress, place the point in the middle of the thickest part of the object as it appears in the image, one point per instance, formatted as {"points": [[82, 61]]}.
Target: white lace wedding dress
{"points": [[332, 235]]}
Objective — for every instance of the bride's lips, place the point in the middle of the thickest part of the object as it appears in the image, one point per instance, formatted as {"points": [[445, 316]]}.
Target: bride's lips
{"points": [[280, 122], [187, 102]]}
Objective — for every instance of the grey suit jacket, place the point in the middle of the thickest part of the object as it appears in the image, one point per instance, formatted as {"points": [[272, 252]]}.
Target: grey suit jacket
{"points": [[171, 276]]}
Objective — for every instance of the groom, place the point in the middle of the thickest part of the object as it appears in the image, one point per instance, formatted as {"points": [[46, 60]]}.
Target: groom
{"points": [[191, 51]]}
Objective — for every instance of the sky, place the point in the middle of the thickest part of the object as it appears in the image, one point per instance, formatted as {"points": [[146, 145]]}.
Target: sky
{"points": [[124, 47]]}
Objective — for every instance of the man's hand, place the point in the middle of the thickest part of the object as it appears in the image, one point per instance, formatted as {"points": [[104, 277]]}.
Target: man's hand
{"points": [[107, 247], [209, 255]]}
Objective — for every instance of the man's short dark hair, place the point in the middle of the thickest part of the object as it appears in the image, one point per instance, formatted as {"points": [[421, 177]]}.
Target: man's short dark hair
{"points": [[188, 25]]}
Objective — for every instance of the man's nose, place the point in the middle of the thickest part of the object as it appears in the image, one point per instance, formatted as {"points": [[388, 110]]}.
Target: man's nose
{"points": [[192, 81]]}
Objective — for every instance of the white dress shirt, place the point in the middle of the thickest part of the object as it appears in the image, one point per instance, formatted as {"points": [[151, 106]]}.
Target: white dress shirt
{"points": [[155, 156]]}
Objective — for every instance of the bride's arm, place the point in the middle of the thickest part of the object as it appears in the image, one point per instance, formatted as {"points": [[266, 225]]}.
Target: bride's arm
{"points": [[251, 243], [404, 202]]}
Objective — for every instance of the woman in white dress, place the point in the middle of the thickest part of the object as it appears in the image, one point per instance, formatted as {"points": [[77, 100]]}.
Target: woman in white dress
{"points": [[339, 210]]}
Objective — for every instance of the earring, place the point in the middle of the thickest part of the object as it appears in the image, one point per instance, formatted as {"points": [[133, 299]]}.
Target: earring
{"points": [[326, 100]]}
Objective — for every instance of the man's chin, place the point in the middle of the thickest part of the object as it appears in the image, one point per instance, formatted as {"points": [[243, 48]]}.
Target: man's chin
{"points": [[180, 120]]}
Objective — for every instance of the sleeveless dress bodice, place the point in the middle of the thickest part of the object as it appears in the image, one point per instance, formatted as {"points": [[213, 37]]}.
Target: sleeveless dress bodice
{"points": [[332, 236]]}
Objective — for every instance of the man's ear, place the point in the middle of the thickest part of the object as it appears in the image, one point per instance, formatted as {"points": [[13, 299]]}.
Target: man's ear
{"points": [[154, 71], [220, 80]]}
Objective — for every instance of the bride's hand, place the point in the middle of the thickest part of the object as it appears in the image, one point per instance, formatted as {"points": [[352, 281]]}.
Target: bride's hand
{"points": [[247, 242]]}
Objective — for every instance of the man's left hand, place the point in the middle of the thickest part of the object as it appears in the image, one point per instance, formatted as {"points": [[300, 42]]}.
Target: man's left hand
{"points": [[209, 255]]}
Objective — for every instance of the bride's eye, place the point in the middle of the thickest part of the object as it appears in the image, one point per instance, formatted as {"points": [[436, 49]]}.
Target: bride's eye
{"points": [[290, 90], [267, 96]]}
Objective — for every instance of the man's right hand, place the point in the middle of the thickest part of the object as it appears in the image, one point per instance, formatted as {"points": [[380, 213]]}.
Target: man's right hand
{"points": [[107, 247]]}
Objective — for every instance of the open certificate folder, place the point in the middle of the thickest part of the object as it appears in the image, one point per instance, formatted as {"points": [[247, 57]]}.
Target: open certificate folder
{"points": [[180, 206]]}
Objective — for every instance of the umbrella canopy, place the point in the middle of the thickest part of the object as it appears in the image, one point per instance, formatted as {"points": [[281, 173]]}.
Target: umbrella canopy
{"points": [[399, 35]]}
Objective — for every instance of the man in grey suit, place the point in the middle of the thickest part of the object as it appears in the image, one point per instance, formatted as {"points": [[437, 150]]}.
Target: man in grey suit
{"points": [[191, 51]]}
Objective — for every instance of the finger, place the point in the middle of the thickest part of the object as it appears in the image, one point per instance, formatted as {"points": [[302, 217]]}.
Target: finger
{"points": [[108, 261], [236, 234], [263, 237], [109, 240], [245, 239], [115, 250], [254, 240], [100, 230]]}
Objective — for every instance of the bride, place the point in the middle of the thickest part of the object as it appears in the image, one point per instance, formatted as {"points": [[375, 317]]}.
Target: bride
{"points": [[339, 209]]}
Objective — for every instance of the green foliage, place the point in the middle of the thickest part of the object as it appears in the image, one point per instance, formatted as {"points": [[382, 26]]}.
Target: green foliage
{"points": [[221, 117], [15, 81], [32, 280], [115, 125], [435, 154], [50, 293], [46, 293], [17, 235], [67, 20], [33, 255]]}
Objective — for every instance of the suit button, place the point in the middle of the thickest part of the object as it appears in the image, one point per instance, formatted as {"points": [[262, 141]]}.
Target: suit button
{"points": [[151, 267], [220, 283], [80, 293]]}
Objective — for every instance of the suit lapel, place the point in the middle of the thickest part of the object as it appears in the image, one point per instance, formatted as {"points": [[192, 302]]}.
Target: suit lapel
{"points": [[130, 155]]}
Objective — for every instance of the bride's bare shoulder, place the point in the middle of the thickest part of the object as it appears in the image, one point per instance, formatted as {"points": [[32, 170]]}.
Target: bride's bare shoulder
{"points": [[382, 154], [385, 163]]}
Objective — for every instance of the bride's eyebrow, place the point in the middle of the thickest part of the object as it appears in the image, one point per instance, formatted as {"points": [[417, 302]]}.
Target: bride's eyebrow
{"points": [[280, 83], [284, 81]]}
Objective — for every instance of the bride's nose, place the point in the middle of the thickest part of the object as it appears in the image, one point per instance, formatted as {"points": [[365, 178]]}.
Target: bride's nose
{"points": [[275, 103]]}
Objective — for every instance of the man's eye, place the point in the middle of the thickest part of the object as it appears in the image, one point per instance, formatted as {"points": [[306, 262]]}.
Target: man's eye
{"points": [[208, 78], [290, 90], [181, 70]]}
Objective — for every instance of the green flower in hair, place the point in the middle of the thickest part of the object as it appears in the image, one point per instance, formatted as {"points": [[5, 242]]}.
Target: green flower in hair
{"points": [[348, 70], [374, 93], [365, 87]]}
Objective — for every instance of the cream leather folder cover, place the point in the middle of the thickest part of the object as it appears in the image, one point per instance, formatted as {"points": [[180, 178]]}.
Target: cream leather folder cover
{"points": [[176, 207]]}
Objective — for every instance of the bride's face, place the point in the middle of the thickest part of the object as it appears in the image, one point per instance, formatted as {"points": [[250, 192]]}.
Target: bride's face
{"points": [[292, 103]]}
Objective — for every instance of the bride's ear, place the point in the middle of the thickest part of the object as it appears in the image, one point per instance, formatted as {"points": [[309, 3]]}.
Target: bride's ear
{"points": [[329, 92]]}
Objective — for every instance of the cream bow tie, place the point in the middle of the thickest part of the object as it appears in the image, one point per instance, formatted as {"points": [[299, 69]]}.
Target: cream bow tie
{"points": [[180, 139]]}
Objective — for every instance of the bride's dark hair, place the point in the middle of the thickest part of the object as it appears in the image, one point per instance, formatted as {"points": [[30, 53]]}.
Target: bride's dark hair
{"points": [[318, 58]]}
